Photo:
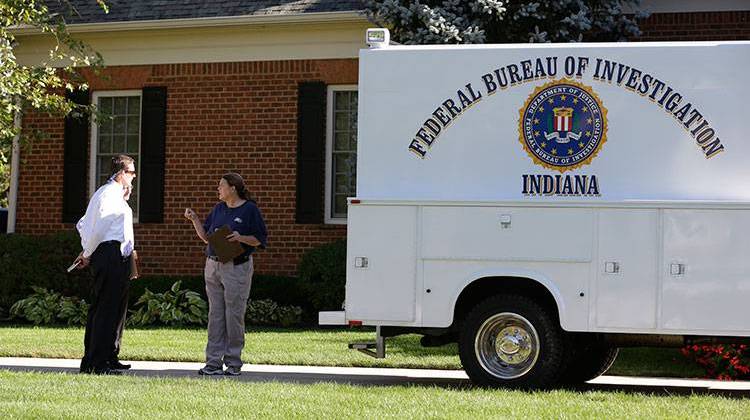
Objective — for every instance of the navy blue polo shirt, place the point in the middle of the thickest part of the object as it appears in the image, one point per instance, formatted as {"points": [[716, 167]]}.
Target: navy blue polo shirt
{"points": [[245, 219]]}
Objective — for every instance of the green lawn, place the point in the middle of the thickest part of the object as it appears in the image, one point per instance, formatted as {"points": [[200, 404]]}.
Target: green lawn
{"points": [[298, 347], [56, 395]]}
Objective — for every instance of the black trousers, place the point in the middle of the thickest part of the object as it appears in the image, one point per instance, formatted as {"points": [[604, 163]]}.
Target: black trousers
{"points": [[106, 317]]}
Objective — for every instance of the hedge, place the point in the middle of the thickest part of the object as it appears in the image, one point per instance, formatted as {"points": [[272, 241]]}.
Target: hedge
{"points": [[41, 261]]}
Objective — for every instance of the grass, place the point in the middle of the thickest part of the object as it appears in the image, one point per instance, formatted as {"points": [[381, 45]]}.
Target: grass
{"points": [[299, 347], [55, 395]]}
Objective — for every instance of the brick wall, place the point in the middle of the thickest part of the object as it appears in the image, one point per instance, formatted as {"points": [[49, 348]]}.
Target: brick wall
{"points": [[220, 117], [697, 26]]}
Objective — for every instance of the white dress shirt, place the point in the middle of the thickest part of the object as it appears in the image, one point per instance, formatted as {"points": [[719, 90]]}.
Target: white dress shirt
{"points": [[108, 218]]}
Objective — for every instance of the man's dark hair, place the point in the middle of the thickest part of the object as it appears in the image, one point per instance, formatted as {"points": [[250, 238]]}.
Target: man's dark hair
{"points": [[120, 163]]}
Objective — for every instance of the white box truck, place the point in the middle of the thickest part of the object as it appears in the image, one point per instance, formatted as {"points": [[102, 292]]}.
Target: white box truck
{"points": [[543, 205]]}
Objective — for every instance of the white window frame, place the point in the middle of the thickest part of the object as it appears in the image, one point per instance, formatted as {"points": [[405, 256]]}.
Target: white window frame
{"points": [[332, 89], [94, 144]]}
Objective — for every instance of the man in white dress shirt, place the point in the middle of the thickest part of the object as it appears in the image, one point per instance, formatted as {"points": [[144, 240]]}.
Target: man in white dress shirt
{"points": [[106, 232]]}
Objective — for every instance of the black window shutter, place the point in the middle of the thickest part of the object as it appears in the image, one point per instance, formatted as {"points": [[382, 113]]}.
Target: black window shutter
{"points": [[153, 139], [75, 163], [311, 121]]}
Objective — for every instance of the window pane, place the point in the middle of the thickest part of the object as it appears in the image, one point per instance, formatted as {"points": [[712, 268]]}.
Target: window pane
{"points": [[341, 100], [132, 145], [340, 165], [105, 144], [119, 125], [103, 169], [339, 206], [341, 141], [105, 126], [118, 144], [134, 124], [121, 107], [134, 105], [342, 183], [342, 121], [105, 105]]}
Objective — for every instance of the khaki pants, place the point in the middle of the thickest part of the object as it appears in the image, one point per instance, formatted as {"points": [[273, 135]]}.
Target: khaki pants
{"points": [[228, 288]]}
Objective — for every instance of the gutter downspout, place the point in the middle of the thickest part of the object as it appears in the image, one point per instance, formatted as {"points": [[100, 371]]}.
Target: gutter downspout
{"points": [[14, 173]]}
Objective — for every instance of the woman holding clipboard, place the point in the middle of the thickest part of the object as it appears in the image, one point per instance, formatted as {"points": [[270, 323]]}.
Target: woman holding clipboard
{"points": [[228, 279]]}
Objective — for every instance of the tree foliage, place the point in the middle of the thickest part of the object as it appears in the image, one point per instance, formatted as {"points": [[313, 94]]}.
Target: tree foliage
{"points": [[40, 87], [499, 21]]}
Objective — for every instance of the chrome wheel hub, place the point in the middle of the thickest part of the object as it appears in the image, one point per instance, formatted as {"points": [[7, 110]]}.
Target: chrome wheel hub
{"points": [[507, 345]]}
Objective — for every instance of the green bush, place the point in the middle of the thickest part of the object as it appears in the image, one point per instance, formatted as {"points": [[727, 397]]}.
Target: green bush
{"points": [[283, 290], [45, 307], [40, 261], [174, 308], [269, 313], [161, 284], [73, 310], [322, 271]]}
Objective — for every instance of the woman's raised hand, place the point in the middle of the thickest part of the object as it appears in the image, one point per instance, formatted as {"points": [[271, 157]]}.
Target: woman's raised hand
{"points": [[190, 214]]}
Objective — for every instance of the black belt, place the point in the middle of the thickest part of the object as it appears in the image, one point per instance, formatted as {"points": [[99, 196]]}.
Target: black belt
{"points": [[237, 261]]}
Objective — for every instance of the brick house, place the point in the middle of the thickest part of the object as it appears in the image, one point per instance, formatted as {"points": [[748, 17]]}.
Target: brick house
{"points": [[266, 88]]}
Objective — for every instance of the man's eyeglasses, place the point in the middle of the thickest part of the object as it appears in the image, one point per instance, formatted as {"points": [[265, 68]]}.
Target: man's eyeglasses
{"points": [[129, 172]]}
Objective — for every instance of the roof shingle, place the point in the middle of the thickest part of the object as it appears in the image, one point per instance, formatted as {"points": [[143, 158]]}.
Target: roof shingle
{"points": [[88, 11]]}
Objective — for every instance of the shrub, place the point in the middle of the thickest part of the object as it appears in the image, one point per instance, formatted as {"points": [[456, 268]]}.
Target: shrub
{"points": [[174, 307], [268, 312], [323, 273], [162, 284], [40, 261], [44, 307], [73, 310], [730, 361], [282, 290]]}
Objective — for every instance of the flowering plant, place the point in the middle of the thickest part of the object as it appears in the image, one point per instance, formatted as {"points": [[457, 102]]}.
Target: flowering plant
{"points": [[724, 362]]}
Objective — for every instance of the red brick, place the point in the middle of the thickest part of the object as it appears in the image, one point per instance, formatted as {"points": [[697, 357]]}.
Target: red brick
{"points": [[218, 118]]}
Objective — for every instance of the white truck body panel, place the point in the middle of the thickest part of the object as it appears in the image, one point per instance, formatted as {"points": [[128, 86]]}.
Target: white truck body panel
{"points": [[632, 211]]}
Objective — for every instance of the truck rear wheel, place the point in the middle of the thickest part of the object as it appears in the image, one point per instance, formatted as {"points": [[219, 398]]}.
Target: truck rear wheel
{"points": [[589, 360], [511, 341]]}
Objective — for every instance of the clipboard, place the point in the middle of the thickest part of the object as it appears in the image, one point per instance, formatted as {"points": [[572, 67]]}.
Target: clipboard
{"points": [[225, 251]]}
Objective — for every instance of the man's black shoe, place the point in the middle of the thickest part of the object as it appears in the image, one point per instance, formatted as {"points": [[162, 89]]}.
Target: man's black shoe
{"points": [[119, 366], [106, 371]]}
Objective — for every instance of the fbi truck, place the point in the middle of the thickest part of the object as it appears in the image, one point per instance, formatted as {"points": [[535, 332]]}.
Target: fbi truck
{"points": [[544, 205]]}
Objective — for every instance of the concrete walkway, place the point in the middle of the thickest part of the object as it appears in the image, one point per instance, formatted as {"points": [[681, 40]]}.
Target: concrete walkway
{"points": [[379, 376]]}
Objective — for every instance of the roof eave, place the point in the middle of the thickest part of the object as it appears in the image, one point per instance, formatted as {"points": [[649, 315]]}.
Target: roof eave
{"points": [[277, 19]]}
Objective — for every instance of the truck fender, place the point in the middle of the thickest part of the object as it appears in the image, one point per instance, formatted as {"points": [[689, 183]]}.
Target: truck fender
{"points": [[517, 273]]}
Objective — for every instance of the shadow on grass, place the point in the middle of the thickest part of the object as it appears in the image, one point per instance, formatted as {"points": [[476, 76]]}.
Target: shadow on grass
{"points": [[390, 380]]}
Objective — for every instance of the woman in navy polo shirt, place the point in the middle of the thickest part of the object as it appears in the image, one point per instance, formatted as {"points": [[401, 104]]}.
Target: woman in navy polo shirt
{"points": [[228, 284]]}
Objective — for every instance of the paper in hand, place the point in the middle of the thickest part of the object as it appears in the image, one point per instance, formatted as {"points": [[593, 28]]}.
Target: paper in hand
{"points": [[74, 265]]}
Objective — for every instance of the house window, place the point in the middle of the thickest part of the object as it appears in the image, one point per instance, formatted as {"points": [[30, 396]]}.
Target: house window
{"points": [[341, 151], [119, 132]]}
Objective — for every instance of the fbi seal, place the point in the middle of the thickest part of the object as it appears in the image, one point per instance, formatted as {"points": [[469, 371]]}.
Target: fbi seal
{"points": [[563, 125]]}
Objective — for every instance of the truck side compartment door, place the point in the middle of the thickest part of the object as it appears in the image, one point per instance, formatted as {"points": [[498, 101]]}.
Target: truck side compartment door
{"points": [[706, 284], [381, 263], [627, 278]]}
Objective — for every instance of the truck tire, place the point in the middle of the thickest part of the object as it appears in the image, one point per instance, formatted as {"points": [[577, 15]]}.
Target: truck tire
{"points": [[512, 341], [588, 361]]}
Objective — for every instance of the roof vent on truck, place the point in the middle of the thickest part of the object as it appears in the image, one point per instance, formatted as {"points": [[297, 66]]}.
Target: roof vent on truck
{"points": [[378, 37]]}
